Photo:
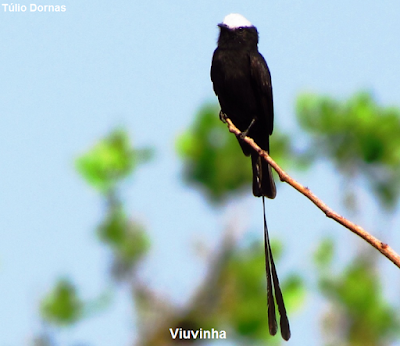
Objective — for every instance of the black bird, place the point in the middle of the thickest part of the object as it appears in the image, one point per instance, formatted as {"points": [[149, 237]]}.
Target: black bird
{"points": [[242, 82]]}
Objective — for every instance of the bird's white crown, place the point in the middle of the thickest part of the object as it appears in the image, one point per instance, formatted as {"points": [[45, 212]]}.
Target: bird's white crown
{"points": [[236, 20]]}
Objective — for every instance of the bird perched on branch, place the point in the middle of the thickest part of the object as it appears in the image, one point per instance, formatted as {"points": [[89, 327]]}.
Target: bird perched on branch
{"points": [[242, 82]]}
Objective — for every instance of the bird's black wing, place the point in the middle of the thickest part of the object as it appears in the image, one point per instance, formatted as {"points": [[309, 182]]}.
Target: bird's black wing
{"points": [[261, 79], [216, 72]]}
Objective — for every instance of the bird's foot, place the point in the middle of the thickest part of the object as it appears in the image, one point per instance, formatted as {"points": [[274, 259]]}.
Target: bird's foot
{"points": [[222, 116], [246, 132], [241, 135]]}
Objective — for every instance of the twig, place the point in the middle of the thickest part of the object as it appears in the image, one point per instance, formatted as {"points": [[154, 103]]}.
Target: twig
{"points": [[384, 248]]}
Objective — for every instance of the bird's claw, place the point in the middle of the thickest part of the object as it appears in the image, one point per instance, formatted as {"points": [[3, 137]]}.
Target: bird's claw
{"points": [[242, 134], [222, 116]]}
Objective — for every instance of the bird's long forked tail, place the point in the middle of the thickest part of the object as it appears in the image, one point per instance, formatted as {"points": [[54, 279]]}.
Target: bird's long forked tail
{"points": [[273, 287], [263, 181]]}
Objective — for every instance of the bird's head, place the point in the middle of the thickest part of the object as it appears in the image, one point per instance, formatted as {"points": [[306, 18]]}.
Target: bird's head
{"points": [[237, 33]]}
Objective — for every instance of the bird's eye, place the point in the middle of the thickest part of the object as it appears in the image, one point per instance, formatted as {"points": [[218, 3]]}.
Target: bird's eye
{"points": [[240, 28]]}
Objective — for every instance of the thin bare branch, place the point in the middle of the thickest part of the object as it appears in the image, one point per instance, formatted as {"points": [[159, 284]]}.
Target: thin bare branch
{"points": [[384, 248]]}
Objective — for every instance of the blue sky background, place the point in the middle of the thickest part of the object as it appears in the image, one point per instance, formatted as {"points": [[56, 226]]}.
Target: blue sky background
{"points": [[67, 78]]}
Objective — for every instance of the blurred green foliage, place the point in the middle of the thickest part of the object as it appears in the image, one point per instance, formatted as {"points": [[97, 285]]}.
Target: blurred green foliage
{"points": [[104, 167], [359, 136], [62, 306], [360, 313], [323, 256], [111, 160], [126, 237]]}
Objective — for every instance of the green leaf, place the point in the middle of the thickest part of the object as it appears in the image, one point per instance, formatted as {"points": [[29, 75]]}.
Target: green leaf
{"points": [[110, 160], [62, 305]]}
